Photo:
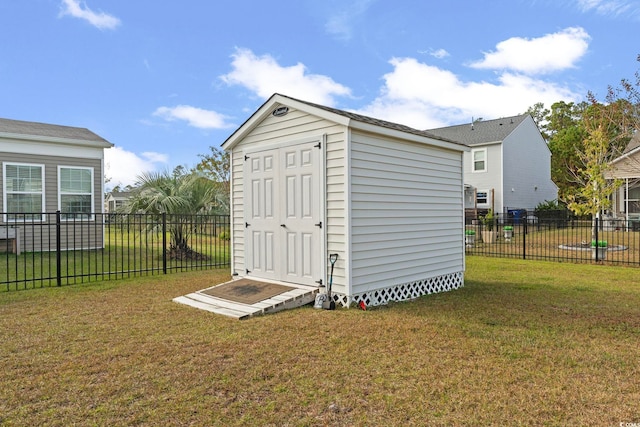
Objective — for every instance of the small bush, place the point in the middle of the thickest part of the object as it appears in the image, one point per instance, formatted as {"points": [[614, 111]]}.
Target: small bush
{"points": [[224, 235]]}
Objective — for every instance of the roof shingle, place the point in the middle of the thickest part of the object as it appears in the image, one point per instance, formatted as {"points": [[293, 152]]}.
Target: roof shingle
{"points": [[480, 132], [376, 122], [18, 127]]}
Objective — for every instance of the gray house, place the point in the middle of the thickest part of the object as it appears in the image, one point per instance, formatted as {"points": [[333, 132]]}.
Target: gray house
{"points": [[308, 181], [48, 168], [509, 165]]}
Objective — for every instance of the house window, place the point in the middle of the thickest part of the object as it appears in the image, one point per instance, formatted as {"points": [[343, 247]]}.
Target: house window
{"points": [[479, 160], [23, 191], [482, 197], [75, 192]]}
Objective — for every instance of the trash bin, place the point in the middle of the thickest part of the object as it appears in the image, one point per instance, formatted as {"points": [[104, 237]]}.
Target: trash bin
{"points": [[516, 216]]}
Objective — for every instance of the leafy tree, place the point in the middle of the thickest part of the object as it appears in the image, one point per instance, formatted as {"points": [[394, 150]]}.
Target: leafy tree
{"points": [[608, 127], [593, 195], [216, 166], [178, 194], [561, 127], [565, 132], [540, 116]]}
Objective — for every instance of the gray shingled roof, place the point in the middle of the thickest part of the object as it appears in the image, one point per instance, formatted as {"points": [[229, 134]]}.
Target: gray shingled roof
{"points": [[376, 122], [18, 127], [482, 131], [633, 144]]}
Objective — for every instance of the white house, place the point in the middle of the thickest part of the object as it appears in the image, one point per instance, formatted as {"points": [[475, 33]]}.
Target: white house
{"points": [[116, 200], [308, 181], [509, 165]]}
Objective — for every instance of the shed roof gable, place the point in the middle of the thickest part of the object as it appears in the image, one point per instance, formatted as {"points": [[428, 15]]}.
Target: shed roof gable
{"points": [[342, 117]]}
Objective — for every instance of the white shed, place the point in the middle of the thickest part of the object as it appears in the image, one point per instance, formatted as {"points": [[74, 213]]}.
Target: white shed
{"points": [[308, 181]]}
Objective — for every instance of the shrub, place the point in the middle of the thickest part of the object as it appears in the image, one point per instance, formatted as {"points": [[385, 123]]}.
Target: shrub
{"points": [[224, 235], [550, 205], [488, 220]]}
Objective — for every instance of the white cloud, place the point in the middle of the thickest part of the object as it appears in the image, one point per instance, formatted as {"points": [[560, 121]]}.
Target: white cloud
{"points": [[439, 53], [611, 7], [341, 23], [100, 20], [123, 167], [424, 96], [196, 117], [551, 52], [264, 76]]}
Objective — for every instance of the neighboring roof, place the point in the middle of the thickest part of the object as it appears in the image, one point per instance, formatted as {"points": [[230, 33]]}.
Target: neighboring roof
{"points": [[633, 144], [630, 150], [42, 131], [120, 194], [482, 131], [351, 117]]}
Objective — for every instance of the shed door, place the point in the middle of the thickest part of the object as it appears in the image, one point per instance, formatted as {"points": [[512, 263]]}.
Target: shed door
{"points": [[283, 214]]}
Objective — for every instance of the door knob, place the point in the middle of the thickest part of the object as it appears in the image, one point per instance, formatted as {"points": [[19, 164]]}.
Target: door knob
{"points": [[283, 226]]}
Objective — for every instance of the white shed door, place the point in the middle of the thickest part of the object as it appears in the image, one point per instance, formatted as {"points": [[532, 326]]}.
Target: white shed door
{"points": [[282, 214]]}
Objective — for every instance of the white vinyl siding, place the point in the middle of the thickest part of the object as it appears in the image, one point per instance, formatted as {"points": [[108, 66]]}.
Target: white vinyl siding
{"points": [[272, 131], [490, 182], [23, 190], [336, 205], [75, 192], [406, 212]]}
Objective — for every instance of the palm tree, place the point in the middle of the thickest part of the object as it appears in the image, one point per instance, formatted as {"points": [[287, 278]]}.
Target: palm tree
{"points": [[179, 195]]}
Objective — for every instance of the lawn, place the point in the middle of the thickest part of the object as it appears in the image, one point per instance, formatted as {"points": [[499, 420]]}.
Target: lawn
{"points": [[523, 343]]}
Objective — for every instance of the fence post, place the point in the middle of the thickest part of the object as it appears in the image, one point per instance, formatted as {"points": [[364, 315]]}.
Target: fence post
{"points": [[524, 236], [58, 250], [597, 237], [164, 243]]}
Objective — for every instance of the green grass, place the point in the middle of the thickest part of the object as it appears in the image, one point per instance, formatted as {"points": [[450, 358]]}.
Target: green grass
{"points": [[123, 256], [523, 343]]}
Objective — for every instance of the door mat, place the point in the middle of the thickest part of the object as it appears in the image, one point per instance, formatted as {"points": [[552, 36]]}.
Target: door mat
{"points": [[246, 291]]}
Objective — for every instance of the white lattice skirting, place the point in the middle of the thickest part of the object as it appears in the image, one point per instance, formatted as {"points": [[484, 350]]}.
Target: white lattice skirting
{"points": [[404, 291]]}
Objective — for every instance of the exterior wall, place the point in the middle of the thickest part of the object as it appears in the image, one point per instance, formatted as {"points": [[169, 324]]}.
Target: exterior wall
{"points": [[274, 130], [527, 168], [337, 206], [628, 167], [36, 238], [406, 213], [628, 170], [489, 180]]}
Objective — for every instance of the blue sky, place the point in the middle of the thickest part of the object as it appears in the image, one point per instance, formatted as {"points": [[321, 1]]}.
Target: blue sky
{"points": [[164, 80]]}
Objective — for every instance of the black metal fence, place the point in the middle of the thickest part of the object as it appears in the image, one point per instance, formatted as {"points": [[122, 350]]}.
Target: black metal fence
{"points": [[51, 249], [555, 237]]}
